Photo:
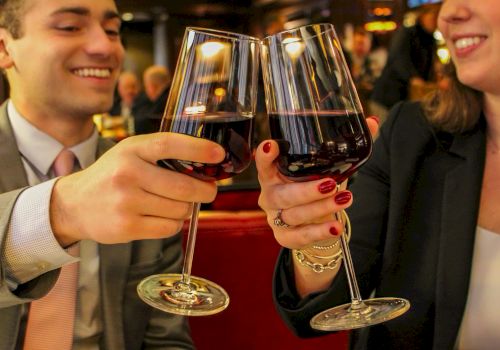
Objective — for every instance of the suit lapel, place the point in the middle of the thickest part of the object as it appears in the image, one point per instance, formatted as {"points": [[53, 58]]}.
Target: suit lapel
{"points": [[113, 269], [12, 173], [114, 264], [12, 176], [462, 189], [114, 260]]}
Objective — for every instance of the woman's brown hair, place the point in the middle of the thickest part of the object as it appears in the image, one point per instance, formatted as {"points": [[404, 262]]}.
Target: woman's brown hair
{"points": [[456, 108]]}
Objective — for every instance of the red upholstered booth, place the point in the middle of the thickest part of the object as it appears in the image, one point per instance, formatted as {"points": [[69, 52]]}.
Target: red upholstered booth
{"points": [[237, 250]]}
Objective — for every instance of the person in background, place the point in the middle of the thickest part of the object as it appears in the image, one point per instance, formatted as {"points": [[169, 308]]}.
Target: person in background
{"points": [[74, 247], [128, 89], [360, 65], [149, 108], [424, 209], [410, 62]]}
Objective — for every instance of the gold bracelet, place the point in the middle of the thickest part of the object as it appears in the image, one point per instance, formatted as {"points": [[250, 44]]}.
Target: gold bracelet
{"points": [[302, 257], [326, 247], [313, 254], [347, 229]]}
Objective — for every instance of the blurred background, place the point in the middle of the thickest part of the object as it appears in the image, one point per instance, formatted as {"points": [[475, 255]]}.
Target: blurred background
{"points": [[153, 29], [372, 33]]}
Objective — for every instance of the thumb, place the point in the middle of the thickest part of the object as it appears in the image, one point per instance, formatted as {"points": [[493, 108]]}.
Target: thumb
{"points": [[265, 158], [373, 123], [167, 145]]}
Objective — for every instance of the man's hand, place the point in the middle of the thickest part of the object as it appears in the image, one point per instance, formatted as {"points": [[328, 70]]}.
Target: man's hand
{"points": [[125, 196]]}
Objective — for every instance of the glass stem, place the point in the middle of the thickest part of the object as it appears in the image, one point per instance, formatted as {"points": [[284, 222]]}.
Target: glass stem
{"points": [[356, 300], [191, 240]]}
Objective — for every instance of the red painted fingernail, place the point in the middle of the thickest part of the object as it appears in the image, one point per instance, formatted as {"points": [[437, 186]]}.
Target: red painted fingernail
{"points": [[334, 231], [267, 147], [327, 186], [343, 197]]}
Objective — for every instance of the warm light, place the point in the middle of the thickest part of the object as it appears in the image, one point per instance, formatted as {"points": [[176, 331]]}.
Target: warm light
{"points": [[380, 26], [382, 11], [443, 55], [438, 36], [220, 92], [294, 47], [195, 109], [127, 16], [211, 48]]}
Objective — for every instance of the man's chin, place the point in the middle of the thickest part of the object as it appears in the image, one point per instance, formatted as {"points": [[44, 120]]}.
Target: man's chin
{"points": [[101, 106]]}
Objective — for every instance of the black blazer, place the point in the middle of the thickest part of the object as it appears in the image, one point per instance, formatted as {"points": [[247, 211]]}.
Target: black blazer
{"points": [[414, 217]]}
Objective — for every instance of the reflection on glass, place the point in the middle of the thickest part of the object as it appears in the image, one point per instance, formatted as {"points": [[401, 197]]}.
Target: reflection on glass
{"points": [[213, 96]]}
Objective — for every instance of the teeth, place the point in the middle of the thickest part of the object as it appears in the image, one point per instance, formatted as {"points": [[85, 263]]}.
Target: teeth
{"points": [[93, 72], [466, 42]]}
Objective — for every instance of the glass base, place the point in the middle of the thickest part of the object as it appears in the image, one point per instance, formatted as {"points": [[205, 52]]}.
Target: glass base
{"points": [[367, 313], [167, 293]]}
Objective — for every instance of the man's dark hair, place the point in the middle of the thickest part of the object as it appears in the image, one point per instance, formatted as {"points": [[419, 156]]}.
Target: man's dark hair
{"points": [[10, 16]]}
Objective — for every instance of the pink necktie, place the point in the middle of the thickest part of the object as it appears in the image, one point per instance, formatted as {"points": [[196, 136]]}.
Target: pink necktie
{"points": [[51, 318]]}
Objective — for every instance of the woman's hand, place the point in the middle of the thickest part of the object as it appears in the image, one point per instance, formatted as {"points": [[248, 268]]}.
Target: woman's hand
{"points": [[307, 208]]}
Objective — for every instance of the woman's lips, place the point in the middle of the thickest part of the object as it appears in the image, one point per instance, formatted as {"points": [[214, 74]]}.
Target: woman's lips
{"points": [[466, 44]]}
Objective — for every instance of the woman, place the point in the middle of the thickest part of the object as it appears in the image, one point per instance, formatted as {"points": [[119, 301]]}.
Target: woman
{"points": [[425, 216]]}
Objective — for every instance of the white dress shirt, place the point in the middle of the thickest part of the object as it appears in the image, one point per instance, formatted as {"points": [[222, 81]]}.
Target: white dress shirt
{"points": [[480, 327], [31, 248]]}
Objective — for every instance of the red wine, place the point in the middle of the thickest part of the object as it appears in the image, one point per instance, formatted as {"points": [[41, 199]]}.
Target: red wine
{"points": [[231, 131], [314, 145]]}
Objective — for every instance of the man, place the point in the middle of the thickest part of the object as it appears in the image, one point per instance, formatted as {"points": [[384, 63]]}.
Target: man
{"points": [[149, 107], [360, 64], [128, 89], [62, 59]]}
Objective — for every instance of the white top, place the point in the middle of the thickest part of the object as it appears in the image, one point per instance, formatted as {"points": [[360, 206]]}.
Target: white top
{"points": [[481, 322], [30, 246]]}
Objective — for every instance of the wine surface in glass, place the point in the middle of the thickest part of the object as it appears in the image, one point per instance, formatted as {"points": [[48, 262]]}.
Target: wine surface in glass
{"points": [[317, 144], [232, 131]]}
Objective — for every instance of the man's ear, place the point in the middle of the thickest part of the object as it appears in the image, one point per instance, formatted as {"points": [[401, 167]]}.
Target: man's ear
{"points": [[6, 60]]}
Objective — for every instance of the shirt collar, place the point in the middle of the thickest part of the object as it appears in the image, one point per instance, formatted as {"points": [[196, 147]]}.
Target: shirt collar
{"points": [[41, 149]]}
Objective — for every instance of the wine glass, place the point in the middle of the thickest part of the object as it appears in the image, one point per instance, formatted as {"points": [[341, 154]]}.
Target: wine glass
{"points": [[317, 120], [213, 96]]}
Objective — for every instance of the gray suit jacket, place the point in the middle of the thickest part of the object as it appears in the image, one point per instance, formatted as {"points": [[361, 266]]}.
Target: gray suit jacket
{"points": [[128, 322]]}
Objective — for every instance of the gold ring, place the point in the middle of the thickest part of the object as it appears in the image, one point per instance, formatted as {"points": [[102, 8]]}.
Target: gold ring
{"points": [[278, 220]]}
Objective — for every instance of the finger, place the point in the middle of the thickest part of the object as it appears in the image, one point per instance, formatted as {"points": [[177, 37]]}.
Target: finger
{"points": [[126, 228], [302, 236], [318, 211], [136, 173], [152, 227], [149, 204], [166, 145], [180, 187], [284, 196], [265, 156], [373, 124]]}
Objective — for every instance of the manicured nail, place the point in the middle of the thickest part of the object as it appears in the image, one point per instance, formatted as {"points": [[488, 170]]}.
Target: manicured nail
{"points": [[333, 231], [327, 186], [343, 197], [267, 147]]}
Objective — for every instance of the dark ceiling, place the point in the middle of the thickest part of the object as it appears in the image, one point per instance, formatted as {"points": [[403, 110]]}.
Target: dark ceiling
{"points": [[206, 8], [188, 7]]}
